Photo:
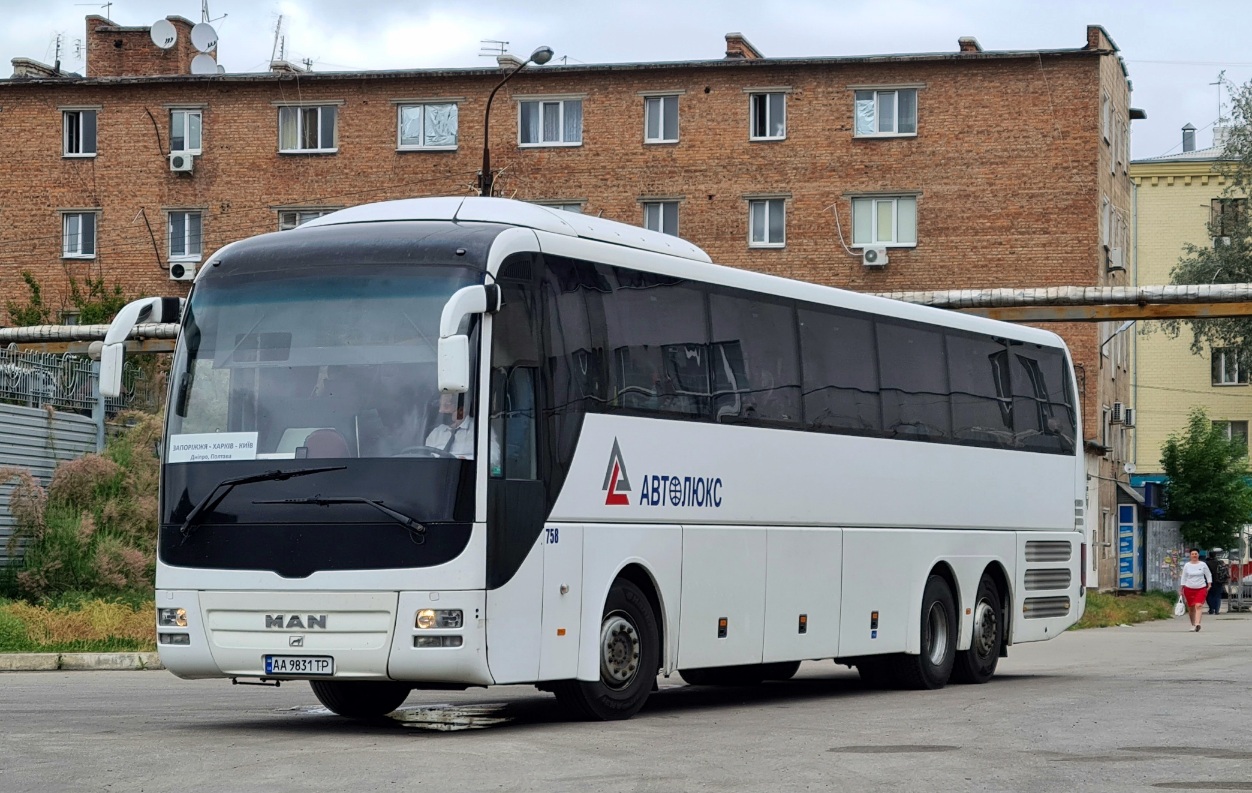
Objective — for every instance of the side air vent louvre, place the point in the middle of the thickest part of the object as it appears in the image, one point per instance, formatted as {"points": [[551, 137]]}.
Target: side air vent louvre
{"points": [[1040, 608], [1049, 550], [1048, 578]]}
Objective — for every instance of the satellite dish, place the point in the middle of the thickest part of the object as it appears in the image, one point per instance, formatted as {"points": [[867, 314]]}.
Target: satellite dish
{"points": [[204, 37], [1129, 468], [163, 33], [203, 64], [221, 69]]}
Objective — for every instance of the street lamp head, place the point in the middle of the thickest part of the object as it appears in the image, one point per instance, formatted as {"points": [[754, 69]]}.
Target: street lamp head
{"points": [[541, 55]]}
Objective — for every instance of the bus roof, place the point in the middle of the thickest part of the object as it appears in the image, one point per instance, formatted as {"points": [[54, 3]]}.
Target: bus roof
{"points": [[515, 213]]}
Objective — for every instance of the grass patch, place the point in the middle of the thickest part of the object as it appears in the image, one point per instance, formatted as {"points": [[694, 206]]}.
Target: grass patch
{"points": [[1105, 610], [77, 626]]}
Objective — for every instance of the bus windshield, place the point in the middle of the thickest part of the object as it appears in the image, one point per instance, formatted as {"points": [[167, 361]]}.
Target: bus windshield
{"points": [[310, 362]]}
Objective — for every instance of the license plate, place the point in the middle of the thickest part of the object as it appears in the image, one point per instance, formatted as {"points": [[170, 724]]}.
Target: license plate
{"points": [[299, 665]]}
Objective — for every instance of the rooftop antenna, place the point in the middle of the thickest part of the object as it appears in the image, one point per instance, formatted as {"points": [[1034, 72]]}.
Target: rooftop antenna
{"points": [[204, 13], [308, 64], [107, 6], [492, 48], [1220, 78], [275, 51]]}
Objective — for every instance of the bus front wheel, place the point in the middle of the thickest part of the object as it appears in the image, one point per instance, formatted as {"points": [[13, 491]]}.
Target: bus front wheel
{"points": [[629, 659], [978, 663], [931, 668], [360, 699]]}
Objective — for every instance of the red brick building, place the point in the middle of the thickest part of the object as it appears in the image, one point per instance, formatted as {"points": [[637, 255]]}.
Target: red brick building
{"points": [[967, 169]]}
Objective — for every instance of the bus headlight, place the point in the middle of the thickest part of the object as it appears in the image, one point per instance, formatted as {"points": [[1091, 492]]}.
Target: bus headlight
{"points": [[438, 618], [172, 618]]}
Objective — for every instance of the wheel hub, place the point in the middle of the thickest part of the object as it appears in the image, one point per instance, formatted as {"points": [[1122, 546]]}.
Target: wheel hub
{"points": [[937, 628], [619, 651], [984, 629]]}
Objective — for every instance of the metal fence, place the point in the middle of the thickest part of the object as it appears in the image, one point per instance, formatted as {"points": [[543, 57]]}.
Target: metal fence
{"points": [[65, 382]]}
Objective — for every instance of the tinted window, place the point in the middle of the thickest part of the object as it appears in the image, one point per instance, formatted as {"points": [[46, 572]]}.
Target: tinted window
{"points": [[840, 371], [755, 359], [914, 380], [657, 334], [1043, 413], [979, 378]]}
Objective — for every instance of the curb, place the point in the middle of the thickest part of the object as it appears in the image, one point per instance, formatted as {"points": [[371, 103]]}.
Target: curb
{"points": [[78, 662]]}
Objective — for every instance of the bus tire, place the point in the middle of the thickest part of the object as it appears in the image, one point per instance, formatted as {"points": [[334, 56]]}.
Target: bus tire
{"points": [[978, 663], [781, 670], [630, 655], [877, 672], [932, 667], [360, 699]]}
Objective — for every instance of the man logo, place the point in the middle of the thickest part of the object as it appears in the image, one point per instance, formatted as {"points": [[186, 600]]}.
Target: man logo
{"points": [[294, 621], [616, 482]]}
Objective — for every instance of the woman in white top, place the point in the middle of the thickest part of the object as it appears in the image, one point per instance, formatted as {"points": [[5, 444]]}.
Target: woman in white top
{"points": [[1194, 586]]}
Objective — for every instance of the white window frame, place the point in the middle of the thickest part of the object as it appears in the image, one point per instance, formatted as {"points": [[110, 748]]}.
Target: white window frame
{"points": [[655, 210], [659, 101], [301, 215], [1227, 425], [1106, 115], [187, 113], [402, 105], [763, 94], [320, 107], [66, 112], [188, 238], [874, 201], [76, 252], [1220, 353], [768, 202], [875, 91], [541, 101]]}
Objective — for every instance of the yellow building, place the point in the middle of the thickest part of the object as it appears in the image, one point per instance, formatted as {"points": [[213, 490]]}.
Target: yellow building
{"points": [[1175, 198]]}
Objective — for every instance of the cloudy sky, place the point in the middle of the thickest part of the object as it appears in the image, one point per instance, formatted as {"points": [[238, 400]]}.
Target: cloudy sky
{"points": [[1173, 49]]}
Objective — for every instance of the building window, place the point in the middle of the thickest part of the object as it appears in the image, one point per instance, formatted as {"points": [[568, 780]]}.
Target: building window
{"points": [[185, 131], [1106, 115], [1234, 431], [1229, 368], [80, 133], [769, 115], [661, 216], [291, 218], [185, 235], [78, 235], [565, 206], [884, 220], [660, 119], [1224, 215], [767, 223], [307, 129], [431, 125], [553, 122], [886, 112]]}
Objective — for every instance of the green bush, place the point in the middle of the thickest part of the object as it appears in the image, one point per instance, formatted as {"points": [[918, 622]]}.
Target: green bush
{"points": [[93, 529]]}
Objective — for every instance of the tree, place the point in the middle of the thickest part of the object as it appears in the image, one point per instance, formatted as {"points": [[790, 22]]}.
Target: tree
{"points": [[95, 302], [1207, 488], [1224, 256]]}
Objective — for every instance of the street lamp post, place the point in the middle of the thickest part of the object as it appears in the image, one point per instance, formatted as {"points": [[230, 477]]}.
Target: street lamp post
{"points": [[485, 177]]}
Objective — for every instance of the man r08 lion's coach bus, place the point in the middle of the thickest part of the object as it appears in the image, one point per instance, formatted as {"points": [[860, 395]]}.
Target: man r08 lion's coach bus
{"points": [[456, 442]]}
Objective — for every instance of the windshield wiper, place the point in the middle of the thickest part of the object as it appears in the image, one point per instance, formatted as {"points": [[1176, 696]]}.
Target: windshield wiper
{"points": [[417, 530], [210, 502]]}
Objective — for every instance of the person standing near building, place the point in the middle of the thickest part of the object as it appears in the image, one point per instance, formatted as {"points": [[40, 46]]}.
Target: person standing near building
{"points": [[1215, 591], [1194, 585]]}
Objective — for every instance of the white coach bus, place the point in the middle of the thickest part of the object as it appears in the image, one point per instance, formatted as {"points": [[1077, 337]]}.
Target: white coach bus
{"points": [[452, 442]]}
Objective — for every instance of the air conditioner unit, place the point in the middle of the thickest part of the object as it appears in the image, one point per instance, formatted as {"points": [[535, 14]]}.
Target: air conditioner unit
{"points": [[1116, 259], [182, 271], [181, 162], [1221, 242], [874, 257], [1115, 416], [1128, 417]]}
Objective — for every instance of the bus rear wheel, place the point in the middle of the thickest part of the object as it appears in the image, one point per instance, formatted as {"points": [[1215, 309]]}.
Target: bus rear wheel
{"points": [[931, 668], [360, 699], [978, 663], [629, 660]]}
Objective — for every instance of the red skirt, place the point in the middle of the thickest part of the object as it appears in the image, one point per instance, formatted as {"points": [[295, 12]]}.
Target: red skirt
{"points": [[1195, 595]]}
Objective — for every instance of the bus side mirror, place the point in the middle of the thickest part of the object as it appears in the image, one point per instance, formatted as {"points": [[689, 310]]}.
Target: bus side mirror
{"points": [[112, 352], [454, 350]]}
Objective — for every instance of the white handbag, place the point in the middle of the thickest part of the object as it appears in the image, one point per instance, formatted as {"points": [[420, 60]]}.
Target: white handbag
{"points": [[1180, 608]]}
